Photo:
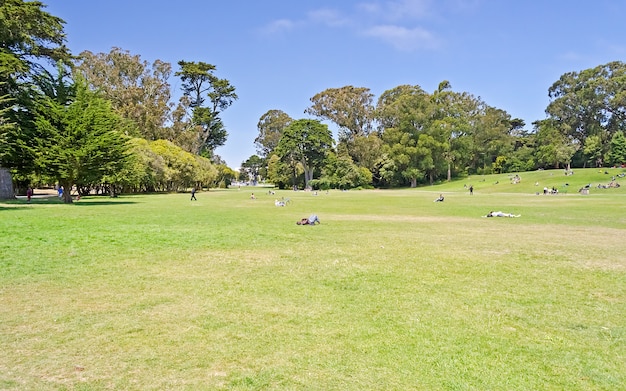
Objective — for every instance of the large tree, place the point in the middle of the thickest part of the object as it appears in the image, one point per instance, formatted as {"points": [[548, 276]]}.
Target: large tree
{"points": [[306, 142], [271, 126], [251, 168], [28, 34], [403, 113], [78, 143], [29, 39], [591, 102], [352, 110], [200, 83], [139, 92]]}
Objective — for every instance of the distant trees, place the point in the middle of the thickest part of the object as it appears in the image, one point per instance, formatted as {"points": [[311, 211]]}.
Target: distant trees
{"points": [[589, 106], [271, 126]]}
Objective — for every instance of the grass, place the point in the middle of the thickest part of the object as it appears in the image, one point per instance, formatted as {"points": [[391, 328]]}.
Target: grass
{"points": [[391, 292]]}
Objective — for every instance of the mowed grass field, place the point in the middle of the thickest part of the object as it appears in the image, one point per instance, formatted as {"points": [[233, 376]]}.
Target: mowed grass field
{"points": [[391, 292]]}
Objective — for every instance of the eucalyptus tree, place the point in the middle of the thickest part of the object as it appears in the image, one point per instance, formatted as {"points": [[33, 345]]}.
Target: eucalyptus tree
{"points": [[453, 119], [591, 102], [493, 136], [403, 114], [352, 110], [306, 142], [555, 145], [139, 92], [271, 126], [200, 83]]}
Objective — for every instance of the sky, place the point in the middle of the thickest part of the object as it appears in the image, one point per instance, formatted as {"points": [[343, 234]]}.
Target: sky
{"points": [[279, 53]]}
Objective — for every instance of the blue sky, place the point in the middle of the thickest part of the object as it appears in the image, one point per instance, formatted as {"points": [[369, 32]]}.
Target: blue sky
{"points": [[279, 54]]}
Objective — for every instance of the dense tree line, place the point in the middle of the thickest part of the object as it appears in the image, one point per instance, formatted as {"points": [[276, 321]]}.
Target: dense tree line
{"points": [[106, 122], [411, 136], [103, 122]]}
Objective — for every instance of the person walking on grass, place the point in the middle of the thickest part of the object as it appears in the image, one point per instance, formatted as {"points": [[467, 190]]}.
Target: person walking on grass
{"points": [[193, 194]]}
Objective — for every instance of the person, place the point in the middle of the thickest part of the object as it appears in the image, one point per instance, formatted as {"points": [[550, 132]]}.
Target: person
{"points": [[60, 190], [440, 199], [252, 197], [29, 194], [312, 220], [193, 194], [501, 214], [471, 189], [279, 203]]}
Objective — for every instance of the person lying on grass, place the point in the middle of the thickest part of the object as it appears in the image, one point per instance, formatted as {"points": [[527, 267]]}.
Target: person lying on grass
{"points": [[312, 220], [501, 214]]}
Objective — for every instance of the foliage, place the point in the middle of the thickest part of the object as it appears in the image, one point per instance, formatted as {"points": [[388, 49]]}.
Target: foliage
{"points": [[251, 168], [281, 174], [590, 103], [138, 92], [199, 81], [350, 108], [271, 126], [305, 142], [80, 143], [27, 34], [340, 172], [617, 154]]}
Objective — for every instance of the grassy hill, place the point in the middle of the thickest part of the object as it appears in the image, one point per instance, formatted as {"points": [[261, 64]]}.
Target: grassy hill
{"points": [[533, 182]]}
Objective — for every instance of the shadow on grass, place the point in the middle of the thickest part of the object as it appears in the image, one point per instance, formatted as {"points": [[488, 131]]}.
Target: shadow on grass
{"points": [[102, 202], [22, 204]]}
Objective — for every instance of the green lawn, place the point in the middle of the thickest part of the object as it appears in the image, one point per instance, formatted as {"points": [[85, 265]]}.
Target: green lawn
{"points": [[391, 292]]}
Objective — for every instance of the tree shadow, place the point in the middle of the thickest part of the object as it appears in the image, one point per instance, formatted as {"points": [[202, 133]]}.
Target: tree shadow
{"points": [[102, 202]]}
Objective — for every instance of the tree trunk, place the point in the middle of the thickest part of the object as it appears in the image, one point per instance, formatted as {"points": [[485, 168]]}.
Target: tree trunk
{"points": [[6, 184]]}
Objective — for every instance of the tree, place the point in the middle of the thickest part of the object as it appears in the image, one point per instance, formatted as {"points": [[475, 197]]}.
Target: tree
{"points": [[29, 38], [6, 183], [307, 142], [593, 150], [617, 153], [200, 83], [340, 172], [453, 118], [591, 102], [271, 126], [555, 146], [350, 108], [138, 92], [252, 167], [403, 114], [27, 34], [79, 143]]}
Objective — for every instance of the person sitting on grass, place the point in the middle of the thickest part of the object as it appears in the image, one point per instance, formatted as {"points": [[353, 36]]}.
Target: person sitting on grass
{"points": [[501, 214], [440, 199], [312, 220]]}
